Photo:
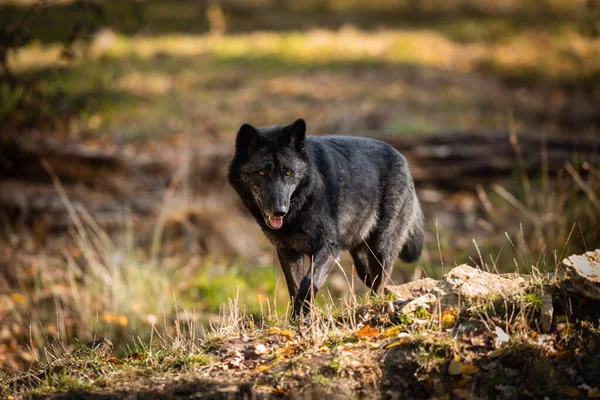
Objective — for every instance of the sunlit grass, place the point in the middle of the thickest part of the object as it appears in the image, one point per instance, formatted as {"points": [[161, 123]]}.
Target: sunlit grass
{"points": [[145, 86], [544, 51]]}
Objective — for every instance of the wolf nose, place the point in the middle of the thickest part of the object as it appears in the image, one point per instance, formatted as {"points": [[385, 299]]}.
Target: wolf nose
{"points": [[279, 211]]}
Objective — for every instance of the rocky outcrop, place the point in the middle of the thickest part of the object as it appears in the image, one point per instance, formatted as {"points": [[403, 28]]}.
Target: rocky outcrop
{"points": [[469, 288], [463, 286], [583, 272]]}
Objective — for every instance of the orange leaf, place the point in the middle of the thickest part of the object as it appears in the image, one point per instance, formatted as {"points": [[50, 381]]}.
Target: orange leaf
{"points": [[558, 346], [367, 332]]}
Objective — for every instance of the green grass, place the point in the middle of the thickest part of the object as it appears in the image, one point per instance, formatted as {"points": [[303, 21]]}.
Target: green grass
{"points": [[252, 286]]}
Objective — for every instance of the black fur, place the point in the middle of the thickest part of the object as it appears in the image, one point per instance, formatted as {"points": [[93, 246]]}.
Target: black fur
{"points": [[336, 193]]}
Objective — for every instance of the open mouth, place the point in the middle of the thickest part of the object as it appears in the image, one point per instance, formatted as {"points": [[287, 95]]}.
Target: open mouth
{"points": [[274, 222]]}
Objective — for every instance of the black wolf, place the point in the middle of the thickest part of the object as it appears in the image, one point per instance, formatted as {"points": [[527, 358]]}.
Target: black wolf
{"points": [[319, 195]]}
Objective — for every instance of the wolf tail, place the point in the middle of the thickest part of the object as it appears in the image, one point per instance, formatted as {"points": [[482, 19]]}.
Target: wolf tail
{"points": [[411, 250]]}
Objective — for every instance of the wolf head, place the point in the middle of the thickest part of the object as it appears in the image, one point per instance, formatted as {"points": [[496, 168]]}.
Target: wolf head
{"points": [[268, 166]]}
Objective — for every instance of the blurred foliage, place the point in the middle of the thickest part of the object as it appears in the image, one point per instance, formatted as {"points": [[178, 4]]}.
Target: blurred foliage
{"points": [[22, 101], [547, 42]]}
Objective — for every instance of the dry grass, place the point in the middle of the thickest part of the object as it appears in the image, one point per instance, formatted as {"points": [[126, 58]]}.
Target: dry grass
{"points": [[545, 218]]}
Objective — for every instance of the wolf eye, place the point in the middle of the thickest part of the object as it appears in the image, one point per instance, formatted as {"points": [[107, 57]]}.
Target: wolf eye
{"points": [[261, 173], [288, 172]]}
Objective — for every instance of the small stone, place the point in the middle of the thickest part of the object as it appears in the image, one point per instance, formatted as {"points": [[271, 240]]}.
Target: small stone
{"points": [[260, 349], [501, 337]]}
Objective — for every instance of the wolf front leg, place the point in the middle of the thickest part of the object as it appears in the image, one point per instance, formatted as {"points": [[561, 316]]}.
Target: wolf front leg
{"points": [[292, 265], [321, 264]]}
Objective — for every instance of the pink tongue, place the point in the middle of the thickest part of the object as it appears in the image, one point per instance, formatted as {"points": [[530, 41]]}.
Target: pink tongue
{"points": [[275, 222]]}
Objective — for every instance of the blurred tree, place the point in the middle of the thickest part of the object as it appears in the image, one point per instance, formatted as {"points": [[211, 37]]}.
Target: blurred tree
{"points": [[21, 103]]}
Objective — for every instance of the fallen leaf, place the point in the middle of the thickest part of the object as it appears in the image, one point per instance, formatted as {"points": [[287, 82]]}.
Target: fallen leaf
{"points": [[26, 356], [455, 366], [18, 298], [283, 332], [270, 364], [270, 389], [402, 339], [494, 354], [558, 347], [367, 332], [113, 360], [287, 333], [135, 356], [448, 319], [569, 391], [457, 383], [394, 331], [469, 369], [273, 331]]}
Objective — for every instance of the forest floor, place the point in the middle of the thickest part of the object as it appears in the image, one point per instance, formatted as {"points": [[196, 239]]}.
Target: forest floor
{"points": [[487, 346]]}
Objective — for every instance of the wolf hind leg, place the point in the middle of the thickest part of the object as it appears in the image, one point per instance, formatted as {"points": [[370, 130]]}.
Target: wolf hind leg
{"points": [[371, 266]]}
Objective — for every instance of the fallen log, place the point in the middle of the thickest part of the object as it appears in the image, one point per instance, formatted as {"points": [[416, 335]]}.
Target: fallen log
{"points": [[461, 160]]}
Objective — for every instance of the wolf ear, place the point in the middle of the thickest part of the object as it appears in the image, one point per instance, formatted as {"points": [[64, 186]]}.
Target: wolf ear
{"points": [[296, 134], [247, 139]]}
